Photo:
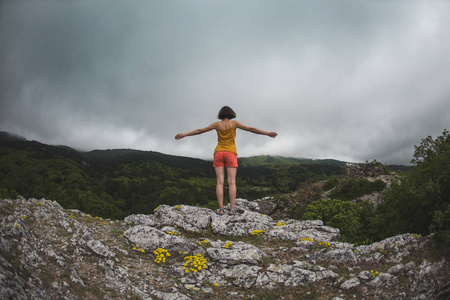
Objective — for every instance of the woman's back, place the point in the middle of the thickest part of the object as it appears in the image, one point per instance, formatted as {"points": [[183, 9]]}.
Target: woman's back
{"points": [[225, 125], [226, 134]]}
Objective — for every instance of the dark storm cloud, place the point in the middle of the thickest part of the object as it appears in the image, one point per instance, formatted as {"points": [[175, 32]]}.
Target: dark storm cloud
{"points": [[339, 79]]}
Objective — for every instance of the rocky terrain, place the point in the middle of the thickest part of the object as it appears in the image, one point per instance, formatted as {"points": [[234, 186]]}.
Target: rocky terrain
{"points": [[185, 252]]}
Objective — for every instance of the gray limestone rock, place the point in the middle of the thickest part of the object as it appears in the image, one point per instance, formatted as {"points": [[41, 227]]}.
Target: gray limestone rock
{"points": [[238, 253], [240, 225], [394, 270], [98, 248], [343, 256], [384, 280], [150, 239], [297, 230], [189, 218], [351, 283]]}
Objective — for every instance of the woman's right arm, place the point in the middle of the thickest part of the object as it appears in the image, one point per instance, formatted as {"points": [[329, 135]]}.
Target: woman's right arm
{"points": [[255, 130], [196, 131]]}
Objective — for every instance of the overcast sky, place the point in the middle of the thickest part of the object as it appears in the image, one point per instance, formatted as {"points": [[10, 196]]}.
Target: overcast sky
{"points": [[349, 80]]}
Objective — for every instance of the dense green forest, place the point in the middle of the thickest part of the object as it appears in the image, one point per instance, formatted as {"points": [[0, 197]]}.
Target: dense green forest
{"points": [[116, 183]]}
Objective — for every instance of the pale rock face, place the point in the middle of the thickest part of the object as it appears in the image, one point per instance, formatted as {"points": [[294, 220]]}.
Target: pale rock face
{"points": [[343, 256], [239, 253], [351, 283], [100, 249], [384, 280], [295, 230], [47, 252], [150, 238], [186, 217], [240, 225]]}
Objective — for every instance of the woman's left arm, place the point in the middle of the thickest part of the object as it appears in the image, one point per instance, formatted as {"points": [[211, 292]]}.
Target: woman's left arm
{"points": [[239, 125], [196, 131]]}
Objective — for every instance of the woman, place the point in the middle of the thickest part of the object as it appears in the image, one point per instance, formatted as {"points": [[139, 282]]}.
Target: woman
{"points": [[225, 154]]}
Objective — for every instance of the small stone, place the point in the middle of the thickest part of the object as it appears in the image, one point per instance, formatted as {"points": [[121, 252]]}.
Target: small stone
{"points": [[351, 283]]}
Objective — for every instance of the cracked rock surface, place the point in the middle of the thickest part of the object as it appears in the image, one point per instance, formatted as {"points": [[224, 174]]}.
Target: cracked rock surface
{"points": [[185, 252]]}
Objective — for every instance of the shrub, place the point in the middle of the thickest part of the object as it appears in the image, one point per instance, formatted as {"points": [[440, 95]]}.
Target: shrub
{"points": [[440, 225], [331, 183], [336, 213]]}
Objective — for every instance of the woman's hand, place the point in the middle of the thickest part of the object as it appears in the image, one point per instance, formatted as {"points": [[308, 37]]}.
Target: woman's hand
{"points": [[272, 134], [180, 136]]}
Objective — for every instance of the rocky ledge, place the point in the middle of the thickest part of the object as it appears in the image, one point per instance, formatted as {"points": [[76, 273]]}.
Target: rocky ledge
{"points": [[185, 252]]}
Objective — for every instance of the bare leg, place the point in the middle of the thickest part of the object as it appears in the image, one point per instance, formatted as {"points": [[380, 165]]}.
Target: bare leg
{"points": [[220, 176], [231, 178]]}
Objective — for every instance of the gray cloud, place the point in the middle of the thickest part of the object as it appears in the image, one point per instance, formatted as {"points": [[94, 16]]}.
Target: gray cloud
{"points": [[337, 79]]}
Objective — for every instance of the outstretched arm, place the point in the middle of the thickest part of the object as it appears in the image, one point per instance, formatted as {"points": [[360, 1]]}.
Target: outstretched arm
{"points": [[255, 130], [196, 131]]}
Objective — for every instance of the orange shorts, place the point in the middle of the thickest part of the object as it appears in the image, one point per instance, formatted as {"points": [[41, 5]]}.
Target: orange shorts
{"points": [[225, 159]]}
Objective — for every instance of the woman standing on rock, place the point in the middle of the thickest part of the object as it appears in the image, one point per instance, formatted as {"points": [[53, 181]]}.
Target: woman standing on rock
{"points": [[225, 154]]}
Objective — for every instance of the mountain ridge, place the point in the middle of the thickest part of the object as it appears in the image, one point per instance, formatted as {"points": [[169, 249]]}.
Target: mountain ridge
{"points": [[14, 140]]}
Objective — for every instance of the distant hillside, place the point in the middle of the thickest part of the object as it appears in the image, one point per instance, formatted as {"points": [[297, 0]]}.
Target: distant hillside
{"points": [[115, 183], [263, 160]]}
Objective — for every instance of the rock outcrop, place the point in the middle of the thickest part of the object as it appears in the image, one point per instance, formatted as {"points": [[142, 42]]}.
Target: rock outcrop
{"points": [[185, 252]]}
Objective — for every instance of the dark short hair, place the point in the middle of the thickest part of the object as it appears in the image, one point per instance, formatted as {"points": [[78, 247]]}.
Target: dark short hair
{"points": [[226, 113]]}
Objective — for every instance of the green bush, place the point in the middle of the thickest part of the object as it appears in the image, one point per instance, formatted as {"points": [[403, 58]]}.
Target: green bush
{"points": [[331, 183], [355, 221], [440, 225], [335, 213]]}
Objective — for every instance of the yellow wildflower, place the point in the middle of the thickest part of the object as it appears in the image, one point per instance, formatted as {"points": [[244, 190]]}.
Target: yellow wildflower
{"points": [[228, 245], [194, 263], [307, 239], [258, 232], [161, 255]]}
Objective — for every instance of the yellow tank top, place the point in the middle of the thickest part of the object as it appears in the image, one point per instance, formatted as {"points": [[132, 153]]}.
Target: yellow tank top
{"points": [[225, 140]]}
